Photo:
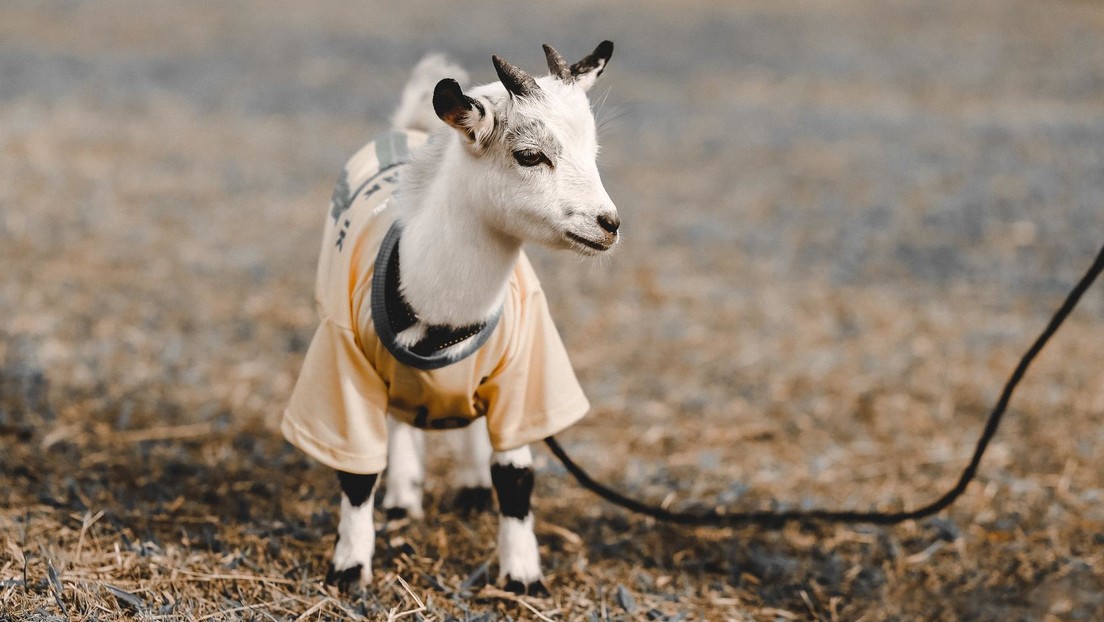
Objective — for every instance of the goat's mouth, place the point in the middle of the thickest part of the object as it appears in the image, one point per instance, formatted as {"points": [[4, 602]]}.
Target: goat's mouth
{"points": [[592, 245]]}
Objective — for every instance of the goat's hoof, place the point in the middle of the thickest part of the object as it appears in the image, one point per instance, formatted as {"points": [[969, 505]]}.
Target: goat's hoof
{"points": [[535, 588], [473, 500], [350, 579], [395, 513]]}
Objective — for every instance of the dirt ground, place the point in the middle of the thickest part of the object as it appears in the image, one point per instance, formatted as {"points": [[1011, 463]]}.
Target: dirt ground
{"points": [[843, 223]]}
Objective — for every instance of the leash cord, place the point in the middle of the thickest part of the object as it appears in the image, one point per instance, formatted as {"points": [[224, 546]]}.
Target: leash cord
{"points": [[726, 517]]}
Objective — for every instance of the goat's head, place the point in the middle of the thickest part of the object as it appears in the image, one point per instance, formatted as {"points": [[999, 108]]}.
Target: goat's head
{"points": [[531, 145]]}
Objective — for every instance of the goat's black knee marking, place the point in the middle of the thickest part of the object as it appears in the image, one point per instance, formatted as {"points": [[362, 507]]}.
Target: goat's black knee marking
{"points": [[514, 487], [357, 487]]}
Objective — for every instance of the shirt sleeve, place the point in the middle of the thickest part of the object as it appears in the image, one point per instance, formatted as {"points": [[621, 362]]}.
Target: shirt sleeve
{"points": [[337, 412], [534, 393]]}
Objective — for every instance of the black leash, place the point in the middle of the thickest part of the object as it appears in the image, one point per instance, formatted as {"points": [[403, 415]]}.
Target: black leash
{"points": [[724, 517]]}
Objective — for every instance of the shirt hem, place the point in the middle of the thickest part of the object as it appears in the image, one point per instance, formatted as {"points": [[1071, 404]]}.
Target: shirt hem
{"points": [[559, 421], [361, 464]]}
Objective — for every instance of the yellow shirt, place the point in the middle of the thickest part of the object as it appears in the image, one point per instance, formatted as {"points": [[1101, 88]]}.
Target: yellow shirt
{"points": [[520, 378]]}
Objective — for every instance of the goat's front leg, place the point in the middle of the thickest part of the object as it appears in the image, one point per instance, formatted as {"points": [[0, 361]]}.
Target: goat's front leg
{"points": [[518, 557], [356, 533]]}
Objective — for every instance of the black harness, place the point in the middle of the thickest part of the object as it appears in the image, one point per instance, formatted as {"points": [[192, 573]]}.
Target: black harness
{"points": [[392, 314]]}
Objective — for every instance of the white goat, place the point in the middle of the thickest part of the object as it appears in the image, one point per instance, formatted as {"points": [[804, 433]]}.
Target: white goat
{"points": [[456, 333]]}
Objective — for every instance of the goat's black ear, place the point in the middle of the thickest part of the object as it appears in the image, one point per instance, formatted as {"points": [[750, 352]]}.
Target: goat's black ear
{"points": [[450, 103], [587, 70], [452, 106], [516, 81]]}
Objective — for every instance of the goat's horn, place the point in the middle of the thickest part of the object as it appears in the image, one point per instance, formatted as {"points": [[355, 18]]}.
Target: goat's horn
{"points": [[514, 79], [557, 66]]}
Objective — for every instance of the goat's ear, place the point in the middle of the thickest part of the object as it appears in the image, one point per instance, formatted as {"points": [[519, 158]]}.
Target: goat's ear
{"points": [[516, 81], [471, 117], [587, 70]]}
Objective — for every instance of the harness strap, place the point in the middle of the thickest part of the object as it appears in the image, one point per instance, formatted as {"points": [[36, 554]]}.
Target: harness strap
{"points": [[402, 316]]}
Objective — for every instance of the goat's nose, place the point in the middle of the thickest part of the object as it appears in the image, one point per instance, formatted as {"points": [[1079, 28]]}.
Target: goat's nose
{"points": [[609, 222]]}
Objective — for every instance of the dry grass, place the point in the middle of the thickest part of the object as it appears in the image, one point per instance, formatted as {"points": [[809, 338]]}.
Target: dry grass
{"points": [[221, 520]]}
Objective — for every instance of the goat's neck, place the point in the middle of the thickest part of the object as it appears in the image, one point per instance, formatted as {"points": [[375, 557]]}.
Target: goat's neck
{"points": [[453, 266]]}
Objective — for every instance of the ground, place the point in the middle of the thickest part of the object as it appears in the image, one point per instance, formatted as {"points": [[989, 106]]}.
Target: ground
{"points": [[843, 223]]}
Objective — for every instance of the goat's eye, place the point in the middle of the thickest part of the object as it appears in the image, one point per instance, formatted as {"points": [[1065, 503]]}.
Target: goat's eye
{"points": [[529, 157]]}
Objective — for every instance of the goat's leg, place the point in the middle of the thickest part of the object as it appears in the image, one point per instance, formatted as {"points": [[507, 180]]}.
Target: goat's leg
{"points": [[405, 470], [518, 557], [471, 476], [356, 533]]}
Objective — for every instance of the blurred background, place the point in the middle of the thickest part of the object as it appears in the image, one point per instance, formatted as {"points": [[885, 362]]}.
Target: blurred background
{"points": [[843, 223]]}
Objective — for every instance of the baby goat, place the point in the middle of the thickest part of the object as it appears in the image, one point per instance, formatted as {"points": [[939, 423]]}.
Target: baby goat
{"points": [[432, 317]]}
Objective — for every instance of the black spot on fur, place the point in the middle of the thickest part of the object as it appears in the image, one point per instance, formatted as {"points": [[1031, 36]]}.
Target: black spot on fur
{"points": [[357, 487], [514, 486], [395, 513]]}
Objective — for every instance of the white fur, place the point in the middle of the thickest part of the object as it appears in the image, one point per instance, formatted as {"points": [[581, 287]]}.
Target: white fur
{"points": [[518, 556], [356, 538], [521, 457], [405, 467]]}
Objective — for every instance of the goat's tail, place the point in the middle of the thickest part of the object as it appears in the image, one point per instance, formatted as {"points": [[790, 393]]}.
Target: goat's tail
{"points": [[415, 111]]}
